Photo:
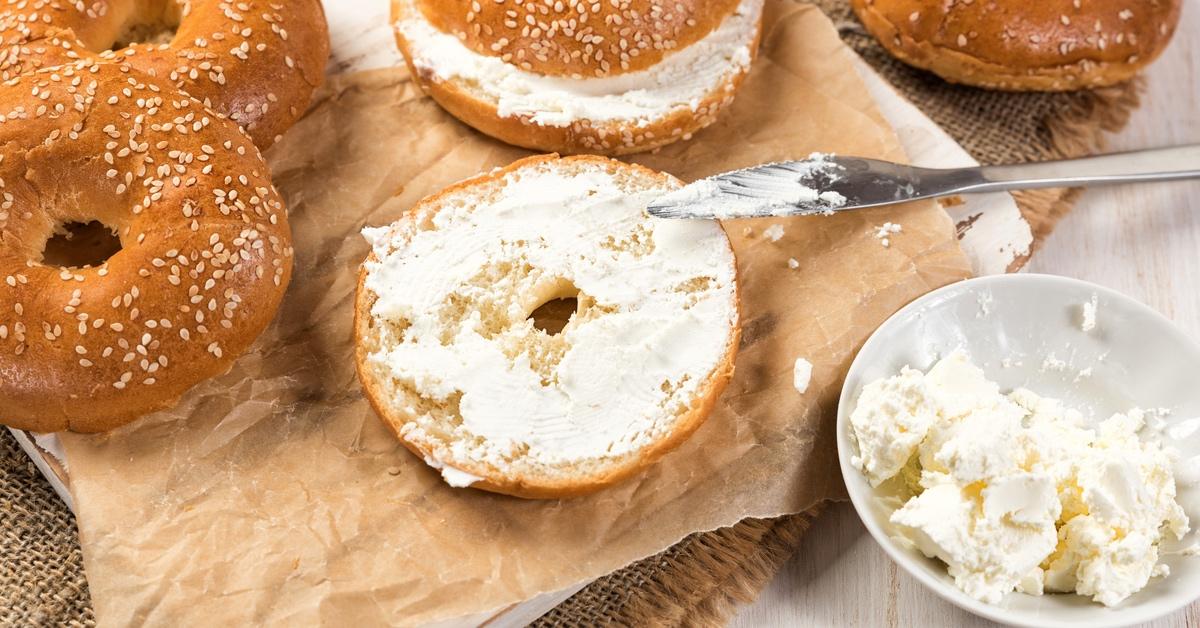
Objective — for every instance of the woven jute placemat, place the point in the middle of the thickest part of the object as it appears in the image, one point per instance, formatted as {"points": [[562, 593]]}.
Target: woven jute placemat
{"points": [[700, 580], [41, 567]]}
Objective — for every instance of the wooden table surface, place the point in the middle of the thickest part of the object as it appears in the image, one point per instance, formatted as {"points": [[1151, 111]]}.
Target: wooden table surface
{"points": [[1143, 241]]}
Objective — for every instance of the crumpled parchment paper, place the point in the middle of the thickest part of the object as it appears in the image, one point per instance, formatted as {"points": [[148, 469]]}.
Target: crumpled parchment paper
{"points": [[274, 494]]}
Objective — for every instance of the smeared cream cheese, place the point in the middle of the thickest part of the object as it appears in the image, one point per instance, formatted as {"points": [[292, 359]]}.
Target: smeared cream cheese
{"points": [[662, 295], [1012, 492], [682, 79]]}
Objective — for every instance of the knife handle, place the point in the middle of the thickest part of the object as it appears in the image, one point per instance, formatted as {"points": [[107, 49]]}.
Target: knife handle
{"points": [[1162, 164]]}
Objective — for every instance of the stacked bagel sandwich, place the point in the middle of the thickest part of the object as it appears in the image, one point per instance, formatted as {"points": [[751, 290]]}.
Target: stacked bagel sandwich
{"points": [[159, 142], [1024, 45], [609, 78]]}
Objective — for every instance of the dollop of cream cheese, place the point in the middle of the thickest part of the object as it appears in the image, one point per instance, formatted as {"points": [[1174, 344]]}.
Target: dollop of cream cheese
{"points": [[682, 79], [657, 308], [802, 375], [1014, 492], [456, 478]]}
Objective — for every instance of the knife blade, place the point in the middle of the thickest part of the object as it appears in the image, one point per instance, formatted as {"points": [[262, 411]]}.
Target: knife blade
{"points": [[824, 184]]}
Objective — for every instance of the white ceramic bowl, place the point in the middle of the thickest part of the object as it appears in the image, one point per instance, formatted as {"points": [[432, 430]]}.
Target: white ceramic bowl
{"points": [[1138, 359]]}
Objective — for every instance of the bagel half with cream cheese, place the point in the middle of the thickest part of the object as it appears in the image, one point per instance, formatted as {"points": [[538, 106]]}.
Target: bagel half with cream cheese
{"points": [[606, 78], [450, 358], [1042, 45]]}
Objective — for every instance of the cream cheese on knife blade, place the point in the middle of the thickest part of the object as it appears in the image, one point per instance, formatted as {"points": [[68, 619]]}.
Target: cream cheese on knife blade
{"points": [[717, 197]]}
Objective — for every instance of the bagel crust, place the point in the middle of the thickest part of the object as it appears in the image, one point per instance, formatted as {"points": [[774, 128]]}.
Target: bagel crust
{"points": [[254, 61], [683, 92], [1045, 45], [445, 425], [205, 247]]}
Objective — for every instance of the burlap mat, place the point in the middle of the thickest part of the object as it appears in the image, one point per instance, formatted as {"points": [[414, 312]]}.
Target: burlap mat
{"points": [[701, 579], [41, 568]]}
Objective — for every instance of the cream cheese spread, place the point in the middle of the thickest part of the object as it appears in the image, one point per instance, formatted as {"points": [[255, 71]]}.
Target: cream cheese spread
{"points": [[682, 79], [1015, 492], [657, 301]]}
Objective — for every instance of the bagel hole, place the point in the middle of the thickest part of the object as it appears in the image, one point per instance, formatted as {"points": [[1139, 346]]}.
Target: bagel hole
{"points": [[552, 316], [154, 24], [81, 245]]}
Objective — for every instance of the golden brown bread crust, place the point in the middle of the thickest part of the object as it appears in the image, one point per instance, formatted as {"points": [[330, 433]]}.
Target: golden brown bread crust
{"points": [[582, 38], [206, 249], [1043, 45], [536, 488], [255, 61], [581, 137]]}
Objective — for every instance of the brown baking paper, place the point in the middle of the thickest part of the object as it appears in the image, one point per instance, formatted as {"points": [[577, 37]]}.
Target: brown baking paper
{"points": [[274, 494]]}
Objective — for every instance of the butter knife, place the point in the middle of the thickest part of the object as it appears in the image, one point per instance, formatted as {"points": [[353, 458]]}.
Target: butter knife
{"points": [[824, 184]]}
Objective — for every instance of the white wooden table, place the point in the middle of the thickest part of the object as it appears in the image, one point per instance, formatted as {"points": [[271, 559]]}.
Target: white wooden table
{"points": [[1143, 241]]}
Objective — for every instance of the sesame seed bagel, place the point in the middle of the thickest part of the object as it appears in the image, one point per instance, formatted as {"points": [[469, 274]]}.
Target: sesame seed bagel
{"points": [[255, 61], [616, 113], [577, 38], [452, 357], [205, 246], [1048, 45]]}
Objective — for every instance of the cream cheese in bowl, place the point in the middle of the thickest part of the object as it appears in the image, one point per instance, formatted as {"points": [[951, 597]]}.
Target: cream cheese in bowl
{"points": [[1010, 438]]}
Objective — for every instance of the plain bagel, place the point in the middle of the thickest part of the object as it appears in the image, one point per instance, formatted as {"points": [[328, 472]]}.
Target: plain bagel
{"points": [[1037, 45], [581, 77], [254, 61], [451, 357], [205, 246]]}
